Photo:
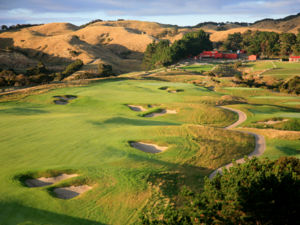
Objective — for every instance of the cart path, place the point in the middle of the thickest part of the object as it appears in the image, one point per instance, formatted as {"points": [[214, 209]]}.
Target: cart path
{"points": [[260, 143]]}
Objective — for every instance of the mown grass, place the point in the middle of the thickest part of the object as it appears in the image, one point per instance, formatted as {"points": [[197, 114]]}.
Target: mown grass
{"points": [[259, 65], [90, 136], [199, 68], [284, 70]]}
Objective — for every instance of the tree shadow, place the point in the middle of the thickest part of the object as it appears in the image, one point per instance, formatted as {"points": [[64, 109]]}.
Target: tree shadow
{"points": [[15, 213], [133, 122], [289, 151], [23, 111]]}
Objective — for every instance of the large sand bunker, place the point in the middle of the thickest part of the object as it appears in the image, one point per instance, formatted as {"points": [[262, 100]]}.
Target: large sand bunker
{"points": [[161, 112], [71, 192], [149, 148], [137, 108], [63, 99], [44, 181]]}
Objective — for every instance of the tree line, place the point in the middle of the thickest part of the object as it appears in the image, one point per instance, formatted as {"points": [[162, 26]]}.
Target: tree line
{"points": [[264, 44], [163, 53]]}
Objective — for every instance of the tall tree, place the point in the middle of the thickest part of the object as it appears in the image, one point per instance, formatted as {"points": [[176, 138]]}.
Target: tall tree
{"points": [[287, 40]]}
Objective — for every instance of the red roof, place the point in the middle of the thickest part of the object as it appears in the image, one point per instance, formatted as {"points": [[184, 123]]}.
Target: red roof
{"points": [[295, 57]]}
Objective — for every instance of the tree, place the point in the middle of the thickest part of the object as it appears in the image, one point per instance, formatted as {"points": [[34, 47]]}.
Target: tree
{"points": [[256, 192], [162, 53], [4, 27], [287, 40], [296, 47], [233, 42]]}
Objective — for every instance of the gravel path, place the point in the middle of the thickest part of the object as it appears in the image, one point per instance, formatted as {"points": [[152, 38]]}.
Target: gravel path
{"points": [[260, 143]]}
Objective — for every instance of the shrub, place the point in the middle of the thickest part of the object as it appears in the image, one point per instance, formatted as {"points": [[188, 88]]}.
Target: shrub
{"points": [[8, 76], [105, 70], [38, 69], [256, 192], [224, 70], [291, 86], [72, 68]]}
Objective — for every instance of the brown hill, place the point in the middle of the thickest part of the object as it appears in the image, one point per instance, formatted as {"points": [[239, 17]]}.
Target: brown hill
{"points": [[288, 24], [119, 43], [222, 35], [59, 43]]}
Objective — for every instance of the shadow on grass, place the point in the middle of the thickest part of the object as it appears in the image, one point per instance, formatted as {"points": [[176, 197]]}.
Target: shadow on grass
{"points": [[133, 122], [15, 213], [23, 111], [289, 151]]}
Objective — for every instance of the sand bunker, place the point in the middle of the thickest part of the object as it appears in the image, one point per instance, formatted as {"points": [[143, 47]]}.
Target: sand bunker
{"points": [[149, 148], [137, 108], [44, 181], [175, 91], [271, 122], [71, 192], [63, 99], [160, 113]]}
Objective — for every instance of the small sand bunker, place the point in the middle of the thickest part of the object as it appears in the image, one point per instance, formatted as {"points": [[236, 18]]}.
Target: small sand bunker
{"points": [[149, 148], [137, 108], [271, 122], [71, 192], [63, 99], [44, 181], [160, 113]]}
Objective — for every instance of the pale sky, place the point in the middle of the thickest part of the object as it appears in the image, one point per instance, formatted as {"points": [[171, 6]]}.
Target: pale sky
{"points": [[180, 12]]}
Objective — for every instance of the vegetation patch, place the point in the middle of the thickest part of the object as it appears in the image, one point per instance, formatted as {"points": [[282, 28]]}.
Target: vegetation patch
{"points": [[63, 99]]}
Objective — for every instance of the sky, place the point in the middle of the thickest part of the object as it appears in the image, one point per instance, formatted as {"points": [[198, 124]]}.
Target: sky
{"points": [[179, 12]]}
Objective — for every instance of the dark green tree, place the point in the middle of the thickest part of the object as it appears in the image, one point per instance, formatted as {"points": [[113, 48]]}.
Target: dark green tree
{"points": [[287, 40], [233, 42]]}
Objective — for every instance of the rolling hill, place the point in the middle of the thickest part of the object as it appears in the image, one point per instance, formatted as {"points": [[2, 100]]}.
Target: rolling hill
{"points": [[118, 43]]}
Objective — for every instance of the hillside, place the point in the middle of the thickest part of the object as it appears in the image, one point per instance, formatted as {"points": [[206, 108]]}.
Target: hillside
{"points": [[288, 24], [118, 43]]}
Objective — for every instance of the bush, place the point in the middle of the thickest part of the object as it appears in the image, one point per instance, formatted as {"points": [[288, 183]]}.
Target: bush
{"points": [[291, 86], [8, 77], [224, 70], [256, 192], [105, 70], [38, 69], [72, 68]]}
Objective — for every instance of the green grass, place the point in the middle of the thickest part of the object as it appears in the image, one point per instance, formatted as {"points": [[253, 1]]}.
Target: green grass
{"points": [[199, 68], [280, 147], [284, 70], [259, 65], [90, 135]]}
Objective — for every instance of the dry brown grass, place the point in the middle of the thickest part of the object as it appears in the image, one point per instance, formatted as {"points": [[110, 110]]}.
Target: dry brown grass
{"points": [[222, 35]]}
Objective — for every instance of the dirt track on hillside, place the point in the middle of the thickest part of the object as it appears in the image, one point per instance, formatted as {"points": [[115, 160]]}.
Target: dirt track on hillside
{"points": [[260, 143]]}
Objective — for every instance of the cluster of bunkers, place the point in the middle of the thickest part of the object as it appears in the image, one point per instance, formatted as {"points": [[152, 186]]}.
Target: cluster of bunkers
{"points": [[232, 56]]}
